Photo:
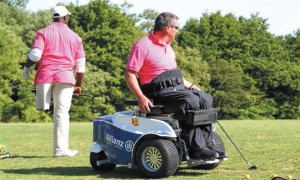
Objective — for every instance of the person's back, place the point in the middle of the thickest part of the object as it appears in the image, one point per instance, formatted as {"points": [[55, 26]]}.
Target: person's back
{"points": [[61, 47], [60, 44]]}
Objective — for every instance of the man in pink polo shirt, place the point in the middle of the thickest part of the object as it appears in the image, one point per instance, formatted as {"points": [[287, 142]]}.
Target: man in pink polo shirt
{"points": [[57, 50], [153, 56]]}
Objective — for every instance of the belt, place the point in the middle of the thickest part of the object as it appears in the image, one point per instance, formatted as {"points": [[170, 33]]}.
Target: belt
{"points": [[163, 85], [169, 83]]}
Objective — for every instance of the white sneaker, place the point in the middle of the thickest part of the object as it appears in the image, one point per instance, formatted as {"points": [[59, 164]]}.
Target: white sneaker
{"points": [[68, 153]]}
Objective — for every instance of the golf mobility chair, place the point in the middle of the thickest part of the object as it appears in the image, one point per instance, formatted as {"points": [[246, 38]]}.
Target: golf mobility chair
{"points": [[153, 142]]}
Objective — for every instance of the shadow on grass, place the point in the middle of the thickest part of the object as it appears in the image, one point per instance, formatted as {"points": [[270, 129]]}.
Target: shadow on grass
{"points": [[59, 171], [185, 171], [121, 172]]}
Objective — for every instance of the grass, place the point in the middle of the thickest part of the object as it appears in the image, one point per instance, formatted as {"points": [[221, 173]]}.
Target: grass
{"points": [[272, 145]]}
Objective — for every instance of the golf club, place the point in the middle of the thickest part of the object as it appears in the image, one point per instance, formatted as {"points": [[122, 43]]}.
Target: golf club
{"points": [[251, 167], [7, 155]]}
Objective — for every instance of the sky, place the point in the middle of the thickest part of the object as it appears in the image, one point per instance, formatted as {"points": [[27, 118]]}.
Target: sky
{"points": [[283, 16]]}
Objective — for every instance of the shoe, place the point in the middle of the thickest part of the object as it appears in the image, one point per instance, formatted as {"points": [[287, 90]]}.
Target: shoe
{"points": [[206, 154], [222, 154], [68, 153]]}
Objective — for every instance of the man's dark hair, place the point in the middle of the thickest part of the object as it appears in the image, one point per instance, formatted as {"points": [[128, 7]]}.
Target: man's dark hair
{"points": [[164, 19], [59, 19], [56, 19]]}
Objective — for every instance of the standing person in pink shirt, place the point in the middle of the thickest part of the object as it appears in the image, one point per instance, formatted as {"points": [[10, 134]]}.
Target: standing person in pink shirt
{"points": [[57, 50]]}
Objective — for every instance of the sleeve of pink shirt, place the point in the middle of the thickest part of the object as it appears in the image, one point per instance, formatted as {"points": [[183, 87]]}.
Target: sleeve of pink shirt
{"points": [[80, 57], [136, 59], [80, 50], [39, 41]]}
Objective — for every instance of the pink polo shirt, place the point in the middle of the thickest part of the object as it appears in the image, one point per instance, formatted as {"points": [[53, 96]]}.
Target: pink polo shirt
{"points": [[61, 47], [148, 58]]}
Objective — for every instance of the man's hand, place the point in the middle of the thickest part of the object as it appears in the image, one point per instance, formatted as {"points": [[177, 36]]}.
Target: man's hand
{"points": [[27, 69], [145, 104], [133, 85], [26, 72], [195, 88], [77, 91]]}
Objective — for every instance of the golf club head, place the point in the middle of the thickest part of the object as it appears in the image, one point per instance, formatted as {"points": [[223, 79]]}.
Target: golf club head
{"points": [[253, 167], [7, 155], [278, 178]]}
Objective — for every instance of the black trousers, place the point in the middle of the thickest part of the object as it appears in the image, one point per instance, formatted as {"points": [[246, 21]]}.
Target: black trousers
{"points": [[179, 101]]}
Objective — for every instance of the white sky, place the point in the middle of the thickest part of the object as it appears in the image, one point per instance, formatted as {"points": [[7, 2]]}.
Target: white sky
{"points": [[283, 15]]}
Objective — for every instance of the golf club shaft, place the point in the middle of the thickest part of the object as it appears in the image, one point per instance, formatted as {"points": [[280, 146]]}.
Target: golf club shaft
{"points": [[234, 144]]}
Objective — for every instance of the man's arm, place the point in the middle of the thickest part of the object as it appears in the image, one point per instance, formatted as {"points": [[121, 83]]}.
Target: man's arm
{"points": [[80, 70], [133, 85], [34, 57], [78, 84]]}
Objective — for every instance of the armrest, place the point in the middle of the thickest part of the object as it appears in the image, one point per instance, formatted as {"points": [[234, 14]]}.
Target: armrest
{"points": [[154, 109]]}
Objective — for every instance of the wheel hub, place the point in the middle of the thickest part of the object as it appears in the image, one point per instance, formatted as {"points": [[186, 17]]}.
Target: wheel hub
{"points": [[152, 159]]}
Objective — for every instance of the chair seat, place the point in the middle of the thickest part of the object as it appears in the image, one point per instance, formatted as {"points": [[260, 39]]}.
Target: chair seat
{"points": [[192, 117]]}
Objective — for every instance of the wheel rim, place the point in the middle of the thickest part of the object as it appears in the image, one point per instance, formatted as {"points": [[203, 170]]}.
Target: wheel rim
{"points": [[152, 159]]}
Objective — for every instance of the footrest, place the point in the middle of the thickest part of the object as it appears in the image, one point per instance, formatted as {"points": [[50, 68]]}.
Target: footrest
{"points": [[193, 162], [201, 117]]}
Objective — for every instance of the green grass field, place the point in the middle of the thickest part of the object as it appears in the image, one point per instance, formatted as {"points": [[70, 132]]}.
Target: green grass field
{"points": [[272, 145]]}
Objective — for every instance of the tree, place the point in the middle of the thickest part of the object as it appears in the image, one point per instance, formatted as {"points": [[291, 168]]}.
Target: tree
{"points": [[147, 19], [234, 94], [262, 57], [194, 69], [20, 4], [16, 97]]}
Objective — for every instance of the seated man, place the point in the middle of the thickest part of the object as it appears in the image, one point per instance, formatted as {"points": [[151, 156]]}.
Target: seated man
{"points": [[153, 55]]}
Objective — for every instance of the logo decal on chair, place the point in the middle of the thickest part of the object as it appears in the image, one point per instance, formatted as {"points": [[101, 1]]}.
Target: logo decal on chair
{"points": [[135, 121]]}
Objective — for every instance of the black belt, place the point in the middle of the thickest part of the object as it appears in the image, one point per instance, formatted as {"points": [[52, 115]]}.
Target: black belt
{"points": [[169, 83], [163, 85]]}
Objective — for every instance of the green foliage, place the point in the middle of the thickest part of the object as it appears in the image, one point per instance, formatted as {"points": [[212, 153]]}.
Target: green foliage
{"points": [[32, 115], [17, 100], [23, 23], [280, 81], [147, 18], [20, 4], [235, 96], [194, 69], [11, 47], [261, 60], [228, 84], [251, 73]]}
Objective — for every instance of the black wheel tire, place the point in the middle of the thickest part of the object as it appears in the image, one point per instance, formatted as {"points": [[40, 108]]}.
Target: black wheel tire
{"points": [[94, 157], [218, 144], [157, 158]]}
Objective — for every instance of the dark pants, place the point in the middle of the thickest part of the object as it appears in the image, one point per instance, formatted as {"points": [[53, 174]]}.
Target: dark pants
{"points": [[179, 101]]}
